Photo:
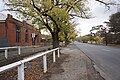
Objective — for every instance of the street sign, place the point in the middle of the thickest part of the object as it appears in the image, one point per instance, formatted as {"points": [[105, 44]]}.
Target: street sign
{"points": [[33, 35]]}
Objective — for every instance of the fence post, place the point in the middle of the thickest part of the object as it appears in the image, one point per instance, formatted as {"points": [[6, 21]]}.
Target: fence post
{"points": [[54, 56], [58, 52], [45, 63], [19, 52], [21, 72], [6, 53]]}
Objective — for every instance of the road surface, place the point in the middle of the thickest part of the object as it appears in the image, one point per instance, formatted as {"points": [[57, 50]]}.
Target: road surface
{"points": [[107, 59]]}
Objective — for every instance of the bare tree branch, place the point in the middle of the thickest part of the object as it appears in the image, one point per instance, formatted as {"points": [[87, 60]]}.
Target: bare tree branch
{"points": [[9, 10], [33, 3], [108, 4]]}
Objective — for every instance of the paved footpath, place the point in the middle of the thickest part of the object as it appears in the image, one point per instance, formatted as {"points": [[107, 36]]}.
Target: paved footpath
{"points": [[77, 66]]}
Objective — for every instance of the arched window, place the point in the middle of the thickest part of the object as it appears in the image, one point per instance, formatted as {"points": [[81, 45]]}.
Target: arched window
{"points": [[26, 35], [17, 34]]}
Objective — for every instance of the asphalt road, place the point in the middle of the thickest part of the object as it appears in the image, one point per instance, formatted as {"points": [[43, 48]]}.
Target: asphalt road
{"points": [[107, 59]]}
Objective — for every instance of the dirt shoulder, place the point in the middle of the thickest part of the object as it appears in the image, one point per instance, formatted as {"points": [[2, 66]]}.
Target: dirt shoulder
{"points": [[77, 66]]}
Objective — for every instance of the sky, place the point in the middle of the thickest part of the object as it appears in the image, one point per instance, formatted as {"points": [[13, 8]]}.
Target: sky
{"points": [[99, 12], [2, 7]]}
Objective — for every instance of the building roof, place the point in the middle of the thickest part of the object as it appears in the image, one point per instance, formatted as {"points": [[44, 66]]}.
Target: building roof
{"points": [[16, 21]]}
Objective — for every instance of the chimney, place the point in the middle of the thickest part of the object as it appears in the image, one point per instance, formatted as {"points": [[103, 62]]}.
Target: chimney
{"points": [[24, 24], [9, 17]]}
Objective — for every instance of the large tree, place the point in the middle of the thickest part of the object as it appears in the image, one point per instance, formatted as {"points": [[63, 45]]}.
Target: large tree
{"points": [[114, 23], [101, 32], [114, 26], [51, 13], [68, 33]]}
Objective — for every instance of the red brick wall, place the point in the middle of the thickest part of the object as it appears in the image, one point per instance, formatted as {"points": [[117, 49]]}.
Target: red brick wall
{"points": [[2, 30], [11, 32]]}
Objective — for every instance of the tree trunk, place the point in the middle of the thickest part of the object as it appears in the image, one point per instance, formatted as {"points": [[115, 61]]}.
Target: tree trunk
{"points": [[66, 40], [55, 39], [106, 41]]}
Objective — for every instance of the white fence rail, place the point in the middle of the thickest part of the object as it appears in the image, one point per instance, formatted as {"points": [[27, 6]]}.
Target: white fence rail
{"points": [[6, 50], [20, 64]]}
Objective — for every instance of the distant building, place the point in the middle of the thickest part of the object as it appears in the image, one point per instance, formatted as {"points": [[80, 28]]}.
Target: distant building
{"points": [[16, 33]]}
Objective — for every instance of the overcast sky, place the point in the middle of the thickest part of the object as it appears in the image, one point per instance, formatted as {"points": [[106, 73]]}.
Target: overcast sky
{"points": [[99, 13]]}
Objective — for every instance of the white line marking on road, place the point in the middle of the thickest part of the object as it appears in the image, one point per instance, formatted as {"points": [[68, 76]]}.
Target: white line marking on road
{"points": [[105, 50]]}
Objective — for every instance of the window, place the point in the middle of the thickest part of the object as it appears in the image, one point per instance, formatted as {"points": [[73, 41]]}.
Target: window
{"points": [[17, 34], [26, 35]]}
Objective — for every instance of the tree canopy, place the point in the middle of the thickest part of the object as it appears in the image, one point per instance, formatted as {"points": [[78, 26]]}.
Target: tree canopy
{"points": [[53, 14], [114, 23], [114, 27]]}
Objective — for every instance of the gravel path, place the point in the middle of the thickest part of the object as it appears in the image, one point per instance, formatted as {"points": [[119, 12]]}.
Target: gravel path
{"points": [[76, 67]]}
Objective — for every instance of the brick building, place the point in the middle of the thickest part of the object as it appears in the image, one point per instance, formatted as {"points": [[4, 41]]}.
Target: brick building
{"points": [[16, 33]]}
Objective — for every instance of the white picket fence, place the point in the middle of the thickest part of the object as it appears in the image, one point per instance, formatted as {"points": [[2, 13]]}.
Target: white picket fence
{"points": [[20, 64]]}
